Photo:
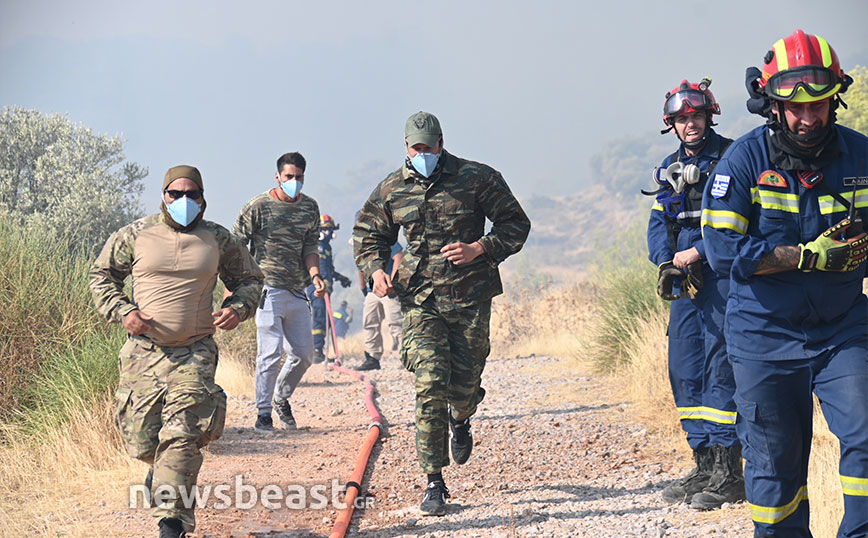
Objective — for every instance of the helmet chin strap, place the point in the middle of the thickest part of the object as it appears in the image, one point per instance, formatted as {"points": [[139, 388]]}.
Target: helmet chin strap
{"points": [[808, 143]]}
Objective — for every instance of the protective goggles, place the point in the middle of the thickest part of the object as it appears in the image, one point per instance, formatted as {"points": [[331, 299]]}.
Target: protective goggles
{"points": [[678, 101], [193, 195], [815, 81]]}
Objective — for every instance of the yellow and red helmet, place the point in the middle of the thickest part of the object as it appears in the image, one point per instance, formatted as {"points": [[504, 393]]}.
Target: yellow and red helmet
{"points": [[689, 97], [802, 68], [327, 222]]}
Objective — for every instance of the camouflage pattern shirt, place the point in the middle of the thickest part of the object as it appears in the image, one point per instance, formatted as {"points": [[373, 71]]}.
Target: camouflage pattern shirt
{"points": [[173, 277], [281, 235], [452, 205]]}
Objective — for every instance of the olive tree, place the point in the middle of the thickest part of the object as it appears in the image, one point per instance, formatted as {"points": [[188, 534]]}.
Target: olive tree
{"points": [[63, 178], [856, 116]]}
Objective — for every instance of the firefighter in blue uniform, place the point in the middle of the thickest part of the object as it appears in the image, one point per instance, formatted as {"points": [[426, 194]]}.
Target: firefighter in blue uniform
{"points": [[779, 218], [699, 371], [327, 270]]}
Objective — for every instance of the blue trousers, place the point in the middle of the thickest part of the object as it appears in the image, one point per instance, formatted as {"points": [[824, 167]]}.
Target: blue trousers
{"points": [[699, 370], [775, 409], [318, 320]]}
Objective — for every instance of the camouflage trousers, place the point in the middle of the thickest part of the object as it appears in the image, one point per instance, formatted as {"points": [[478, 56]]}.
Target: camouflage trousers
{"points": [[446, 348], [168, 408]]}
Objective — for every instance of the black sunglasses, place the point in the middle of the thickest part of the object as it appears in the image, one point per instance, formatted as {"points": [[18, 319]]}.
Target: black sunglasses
{"points": [[195, 194]]}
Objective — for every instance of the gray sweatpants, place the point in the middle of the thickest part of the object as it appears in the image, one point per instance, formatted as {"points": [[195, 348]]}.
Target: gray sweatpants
{"points": [[284, 316]]}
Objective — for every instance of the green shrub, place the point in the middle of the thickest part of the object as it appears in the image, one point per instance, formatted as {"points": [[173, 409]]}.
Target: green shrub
{"points": [[57, 352], [625, 291]]}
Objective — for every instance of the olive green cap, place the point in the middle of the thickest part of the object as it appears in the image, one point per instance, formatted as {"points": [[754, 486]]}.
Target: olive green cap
{"points": [[422, 128]]}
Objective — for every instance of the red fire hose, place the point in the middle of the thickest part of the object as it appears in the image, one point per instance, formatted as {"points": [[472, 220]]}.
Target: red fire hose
{"points": [[354, 486]]}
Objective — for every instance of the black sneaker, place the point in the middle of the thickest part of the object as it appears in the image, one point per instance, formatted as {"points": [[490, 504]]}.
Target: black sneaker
{"points": [[318, 356], [264, 423], [284, 413], [462, 441], [370, 363], [171, 528], [434, 501]]}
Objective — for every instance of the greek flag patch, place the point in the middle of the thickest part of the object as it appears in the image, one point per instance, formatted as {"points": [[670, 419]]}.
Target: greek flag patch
{"points": [[720, 186]]}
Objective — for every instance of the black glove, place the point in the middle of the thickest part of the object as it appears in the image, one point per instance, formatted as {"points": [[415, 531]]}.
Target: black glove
{"points": [[694, 281], [666, 275], [345, 282]]}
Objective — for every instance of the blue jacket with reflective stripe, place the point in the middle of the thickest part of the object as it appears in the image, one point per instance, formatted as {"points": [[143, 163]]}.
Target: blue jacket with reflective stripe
{"points": [[749, 207], [659, 247]]}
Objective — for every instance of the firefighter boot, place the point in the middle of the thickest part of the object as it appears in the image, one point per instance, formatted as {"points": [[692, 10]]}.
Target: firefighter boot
{"points": [[686, 487], [727, 480], [171, 528]]}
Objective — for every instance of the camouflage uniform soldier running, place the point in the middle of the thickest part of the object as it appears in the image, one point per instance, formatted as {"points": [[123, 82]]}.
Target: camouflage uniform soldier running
{"points": [[282, 227], [168, 404], [445, 282]]}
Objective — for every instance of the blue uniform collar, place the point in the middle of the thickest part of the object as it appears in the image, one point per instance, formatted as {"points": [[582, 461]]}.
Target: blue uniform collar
{"points": [[711, 148]]}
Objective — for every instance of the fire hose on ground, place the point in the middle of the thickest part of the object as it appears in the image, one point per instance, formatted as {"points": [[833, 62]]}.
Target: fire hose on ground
{"points": [[354, 485]]}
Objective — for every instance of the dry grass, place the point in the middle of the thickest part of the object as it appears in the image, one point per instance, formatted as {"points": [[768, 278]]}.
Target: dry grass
{"points": [[49, 485]]}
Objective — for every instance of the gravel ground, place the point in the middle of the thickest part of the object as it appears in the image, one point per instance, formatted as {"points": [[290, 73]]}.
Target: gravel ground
{"points": [[553, 457]]}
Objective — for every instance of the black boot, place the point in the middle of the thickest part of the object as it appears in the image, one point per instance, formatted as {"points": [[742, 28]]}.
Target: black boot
{"points": [[727, 480], [462, 441], [171, 528], [370, 363], [434, 501], [683, 489], [318, 356]]}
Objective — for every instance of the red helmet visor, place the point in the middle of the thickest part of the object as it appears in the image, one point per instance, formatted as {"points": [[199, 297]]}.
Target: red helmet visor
{"points": [[683, 100], [815, 80]]}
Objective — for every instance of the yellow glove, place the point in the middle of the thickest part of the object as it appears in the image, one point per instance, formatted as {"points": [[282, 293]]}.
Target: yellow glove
{"points": [[826, 253]]}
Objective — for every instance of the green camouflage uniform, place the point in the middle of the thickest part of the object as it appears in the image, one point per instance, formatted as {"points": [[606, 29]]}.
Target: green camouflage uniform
{"points": [[168, 406], [446, 307]]}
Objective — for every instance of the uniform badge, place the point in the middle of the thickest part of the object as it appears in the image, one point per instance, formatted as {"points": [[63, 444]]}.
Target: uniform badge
{"points": [[770, 178], [856, 181], [720, 186]]}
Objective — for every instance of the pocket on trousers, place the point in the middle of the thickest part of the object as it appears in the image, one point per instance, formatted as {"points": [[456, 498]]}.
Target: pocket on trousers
{"points": [[752, 434], [213, 416]]}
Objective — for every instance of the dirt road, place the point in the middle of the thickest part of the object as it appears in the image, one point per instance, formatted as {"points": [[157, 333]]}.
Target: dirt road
{"points": [[556, 454]]}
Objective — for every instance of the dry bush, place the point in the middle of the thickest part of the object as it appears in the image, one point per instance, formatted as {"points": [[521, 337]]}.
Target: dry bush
{"points": [[544, 321], [824, 483]]}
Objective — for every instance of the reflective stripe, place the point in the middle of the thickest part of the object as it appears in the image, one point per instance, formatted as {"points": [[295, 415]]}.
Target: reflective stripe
{"points": [[781, 55], [825, 51], [707, 413], [724, 219], [690, 214], [854, 486], [317, 331], [776, 514], [656, 207], [828, 204], [338, 315], [782, 201]]}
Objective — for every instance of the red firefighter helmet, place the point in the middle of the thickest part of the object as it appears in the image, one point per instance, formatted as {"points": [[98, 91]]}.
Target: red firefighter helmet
{"points": [[689, 97], [327, 222], [802, 68]]}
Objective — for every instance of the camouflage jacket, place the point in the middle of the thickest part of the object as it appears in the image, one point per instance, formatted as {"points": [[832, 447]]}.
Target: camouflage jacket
{"points": [[174, 274], [450, 206], [281, 235]]}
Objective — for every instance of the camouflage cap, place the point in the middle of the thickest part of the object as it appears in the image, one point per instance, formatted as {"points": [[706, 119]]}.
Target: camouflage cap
{"points": [[177, 172], [422, 128]]}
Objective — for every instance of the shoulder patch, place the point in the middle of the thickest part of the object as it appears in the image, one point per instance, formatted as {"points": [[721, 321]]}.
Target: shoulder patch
{"points": [[720, 186], [770, 178]]}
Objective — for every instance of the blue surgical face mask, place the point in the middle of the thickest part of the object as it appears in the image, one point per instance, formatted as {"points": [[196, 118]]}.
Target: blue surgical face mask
{"points": [[183, 210], [425, 163], [291, 187]]}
